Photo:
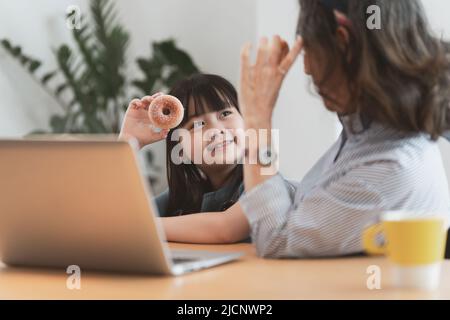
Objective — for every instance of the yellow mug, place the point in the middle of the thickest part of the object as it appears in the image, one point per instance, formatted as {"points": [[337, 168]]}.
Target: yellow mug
{"points": [[413, 242]]}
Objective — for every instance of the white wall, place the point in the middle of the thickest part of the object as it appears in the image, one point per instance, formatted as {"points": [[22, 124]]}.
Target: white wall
{"points": [[307, 129], [34, 25], [211, 31]]}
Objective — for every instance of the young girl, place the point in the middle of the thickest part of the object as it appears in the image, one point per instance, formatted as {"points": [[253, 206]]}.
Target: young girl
{"points": [[210, 127]]}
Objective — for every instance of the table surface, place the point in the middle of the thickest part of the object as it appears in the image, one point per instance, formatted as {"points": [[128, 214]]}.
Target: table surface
{"points": [[249, 278]]}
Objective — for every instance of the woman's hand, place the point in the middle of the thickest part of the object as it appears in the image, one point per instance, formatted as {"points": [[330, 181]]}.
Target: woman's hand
{"points": [[137, 124], [260, 83]]}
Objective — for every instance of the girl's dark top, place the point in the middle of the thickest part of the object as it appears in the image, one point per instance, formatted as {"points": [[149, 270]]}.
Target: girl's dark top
{"points": [[215, 201]]}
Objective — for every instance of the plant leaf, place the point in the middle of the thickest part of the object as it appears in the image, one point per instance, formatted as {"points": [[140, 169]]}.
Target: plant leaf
{"points": [[48, 76], [60, 89], [6, 44], [37, 131], [58, 123], [34, 65]]}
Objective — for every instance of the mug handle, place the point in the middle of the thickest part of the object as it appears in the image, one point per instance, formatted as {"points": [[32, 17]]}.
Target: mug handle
{"points": [[369, 243]]}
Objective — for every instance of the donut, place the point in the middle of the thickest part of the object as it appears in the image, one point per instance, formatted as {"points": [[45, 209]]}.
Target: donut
{"points": [[166, 112]]}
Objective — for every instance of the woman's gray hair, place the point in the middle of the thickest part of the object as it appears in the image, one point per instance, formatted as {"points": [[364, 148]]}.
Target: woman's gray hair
{"points": [[398, 75]]}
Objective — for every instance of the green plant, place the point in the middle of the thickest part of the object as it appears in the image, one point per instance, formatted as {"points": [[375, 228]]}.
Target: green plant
{"points": [[91, 84]]}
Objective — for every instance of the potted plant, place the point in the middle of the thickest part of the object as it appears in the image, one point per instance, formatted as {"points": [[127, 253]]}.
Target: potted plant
{"points": [[90, 83]]}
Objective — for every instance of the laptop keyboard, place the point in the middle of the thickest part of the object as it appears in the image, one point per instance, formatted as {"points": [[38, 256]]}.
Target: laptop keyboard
{"points": [[184, 260]]}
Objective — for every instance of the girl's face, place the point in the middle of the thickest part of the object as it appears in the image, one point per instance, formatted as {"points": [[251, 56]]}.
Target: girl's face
{"points": [[215, 138]]}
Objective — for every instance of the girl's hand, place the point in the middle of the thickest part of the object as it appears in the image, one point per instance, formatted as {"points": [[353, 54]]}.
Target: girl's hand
{"points": [[260, 83], [229, 226], [136, 123]]}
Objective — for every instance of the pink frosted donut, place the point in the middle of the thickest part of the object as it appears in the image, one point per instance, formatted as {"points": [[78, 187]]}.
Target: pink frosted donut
{"points": [[166, 112]]}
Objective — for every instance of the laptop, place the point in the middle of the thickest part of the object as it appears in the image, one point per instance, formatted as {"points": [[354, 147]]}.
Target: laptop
{"points": [[85, 203]]}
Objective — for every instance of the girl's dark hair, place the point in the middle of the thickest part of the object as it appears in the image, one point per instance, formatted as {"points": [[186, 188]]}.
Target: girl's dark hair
{"points": [[205, 93], [398, 75]]}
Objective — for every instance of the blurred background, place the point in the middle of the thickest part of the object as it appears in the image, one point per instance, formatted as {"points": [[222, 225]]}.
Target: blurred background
{"points": [[49, 83]]}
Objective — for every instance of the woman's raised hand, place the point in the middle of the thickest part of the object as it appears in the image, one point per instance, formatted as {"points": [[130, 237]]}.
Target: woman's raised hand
{"points": [[260, 83], [136, 123]]}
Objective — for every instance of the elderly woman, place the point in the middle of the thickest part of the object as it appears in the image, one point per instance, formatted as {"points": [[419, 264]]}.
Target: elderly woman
{"points": [[390, 89]]}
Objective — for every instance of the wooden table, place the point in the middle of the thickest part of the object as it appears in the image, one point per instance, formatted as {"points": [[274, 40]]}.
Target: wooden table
{"points": [[249, 278]]}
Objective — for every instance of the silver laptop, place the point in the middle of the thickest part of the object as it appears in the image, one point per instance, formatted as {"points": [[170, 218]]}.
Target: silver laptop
{"points": [[85, 203]]}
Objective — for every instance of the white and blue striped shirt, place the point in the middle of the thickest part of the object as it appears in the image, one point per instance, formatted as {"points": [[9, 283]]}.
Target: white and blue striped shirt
{"points": [[370, 169]]}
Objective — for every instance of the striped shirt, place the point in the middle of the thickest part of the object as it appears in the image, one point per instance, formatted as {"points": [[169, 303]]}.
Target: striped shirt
{"points": [[370, 169]]}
